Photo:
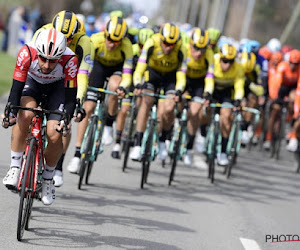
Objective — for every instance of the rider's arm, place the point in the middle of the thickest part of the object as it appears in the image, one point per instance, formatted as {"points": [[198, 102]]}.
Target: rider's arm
{"points": [[85, 53], [70, 70], [127, 66], [20, 75], [181, 72], [209, 78], [142, 62]]}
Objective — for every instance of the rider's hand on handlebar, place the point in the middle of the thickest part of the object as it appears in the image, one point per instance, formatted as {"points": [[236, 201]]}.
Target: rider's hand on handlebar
{"points": [[178, 96], [8, 121], [237, 105], [79, 114], [137, 90], [62, 128], [121, 92]]}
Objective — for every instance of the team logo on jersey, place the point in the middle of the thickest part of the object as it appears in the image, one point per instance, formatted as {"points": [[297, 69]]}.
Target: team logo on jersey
{"points": [[101, 54], [88, 60]]}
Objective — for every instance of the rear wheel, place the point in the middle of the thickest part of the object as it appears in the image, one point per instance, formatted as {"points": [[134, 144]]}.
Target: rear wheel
{"points": [[26, 195], [88, 147], [174, 157]]}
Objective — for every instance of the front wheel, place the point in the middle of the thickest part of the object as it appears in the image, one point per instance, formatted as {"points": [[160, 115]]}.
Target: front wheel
{"points": [[26, 195]]}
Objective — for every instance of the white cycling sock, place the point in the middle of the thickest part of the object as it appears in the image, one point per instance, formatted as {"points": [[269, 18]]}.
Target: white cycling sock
{"points": [[16, 159], [48, 172]]}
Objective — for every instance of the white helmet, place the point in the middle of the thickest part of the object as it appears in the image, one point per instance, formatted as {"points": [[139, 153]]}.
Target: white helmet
{"points": [[50, 44], [274, 45]]}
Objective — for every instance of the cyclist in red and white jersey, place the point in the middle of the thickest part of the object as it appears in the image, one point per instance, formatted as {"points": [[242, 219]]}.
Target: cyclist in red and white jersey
{"points": [[44, 67]]}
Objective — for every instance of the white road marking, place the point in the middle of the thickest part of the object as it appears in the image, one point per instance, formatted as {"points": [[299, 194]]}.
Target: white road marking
{"points": [[249, 244]]}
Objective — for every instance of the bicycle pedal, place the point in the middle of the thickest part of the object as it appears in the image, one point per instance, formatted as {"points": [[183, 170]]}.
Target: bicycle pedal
{"points": [[12, 188]]}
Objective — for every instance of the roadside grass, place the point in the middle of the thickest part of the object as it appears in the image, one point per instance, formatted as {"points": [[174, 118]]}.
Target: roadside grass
{"points": [[7, 66]]}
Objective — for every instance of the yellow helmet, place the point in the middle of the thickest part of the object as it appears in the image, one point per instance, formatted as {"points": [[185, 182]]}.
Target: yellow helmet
{"points": [[248, 61], [227, 51], [116, 29], [81, 26], [169, 33], [66, 22], [199, 38]]}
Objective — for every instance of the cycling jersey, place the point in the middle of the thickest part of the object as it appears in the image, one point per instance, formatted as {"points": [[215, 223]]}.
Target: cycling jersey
{"points": [[153, 56], [285, 76], [120, 55], [234, 77], [83, 48], [253, 82], [201, 67], [297, 100]]}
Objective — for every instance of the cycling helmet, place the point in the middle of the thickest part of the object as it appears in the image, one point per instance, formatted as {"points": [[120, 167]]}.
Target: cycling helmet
{"points": [[90, 19], [199, 38], [227, 51], [81, 26], [294, 56], [156, 28], [184, 37], [169, 33], [50, 44], [265, 52], [248, 61], [117, 13], [286, 49], [276, 57], [274, 45], [144, 34], [66, 22], [253, 46], [214, 35], [116, 29]]}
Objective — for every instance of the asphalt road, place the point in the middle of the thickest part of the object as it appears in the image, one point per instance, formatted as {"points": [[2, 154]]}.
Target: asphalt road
{"points": [[259, 201]]}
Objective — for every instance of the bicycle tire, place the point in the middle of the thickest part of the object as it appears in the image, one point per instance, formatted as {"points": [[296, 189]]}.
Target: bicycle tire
{"points": [[146, 156], [211, 166], [128, 140], [88, 172], [174, 156], [25, 204], [232, 155], [87, 149]]}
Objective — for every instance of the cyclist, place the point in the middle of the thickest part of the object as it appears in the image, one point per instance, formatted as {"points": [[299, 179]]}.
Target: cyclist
{"points": [[228, 79], [163, 64], [143, 36], [67, 23], [200, 60], [214, 36], [113, 54], [45, 66], [287, 74], [253, 89]]}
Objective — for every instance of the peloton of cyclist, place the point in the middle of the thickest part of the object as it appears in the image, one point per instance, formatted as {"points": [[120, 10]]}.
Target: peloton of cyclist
{"points": [[228, 81], [44, 66], [113, 60], [163, 64]]}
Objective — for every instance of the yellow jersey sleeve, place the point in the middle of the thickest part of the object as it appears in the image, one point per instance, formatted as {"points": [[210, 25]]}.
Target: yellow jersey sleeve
{"points": [[181, 72], [127, 66]]}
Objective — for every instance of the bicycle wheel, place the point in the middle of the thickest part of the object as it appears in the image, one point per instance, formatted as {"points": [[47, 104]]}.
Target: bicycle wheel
{"points": [[175, 155], [128, 141], [211, 166], [88, 172], [85, 156], [233, 153], [26, 196], [146, 156]]}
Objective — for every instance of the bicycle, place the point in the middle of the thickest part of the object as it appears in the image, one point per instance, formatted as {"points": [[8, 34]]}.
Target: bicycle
{"points": [[177, 148], [149, 147], [213, 138], [128, 139], [234, 141], [91, 144], [30, 181], [279, 127]]}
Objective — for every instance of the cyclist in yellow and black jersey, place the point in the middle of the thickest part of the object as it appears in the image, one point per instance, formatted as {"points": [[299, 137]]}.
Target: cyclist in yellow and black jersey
{"points": [[143, 35], [67, 23], [253, 89], [163, 65], [113, 61], [200, 61], [227, 86]]}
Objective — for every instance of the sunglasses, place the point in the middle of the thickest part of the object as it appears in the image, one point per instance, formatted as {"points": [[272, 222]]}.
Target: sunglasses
{"points": [[199, 49], [44, 59], [166, 44], [112, 41], [224, 60]]}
